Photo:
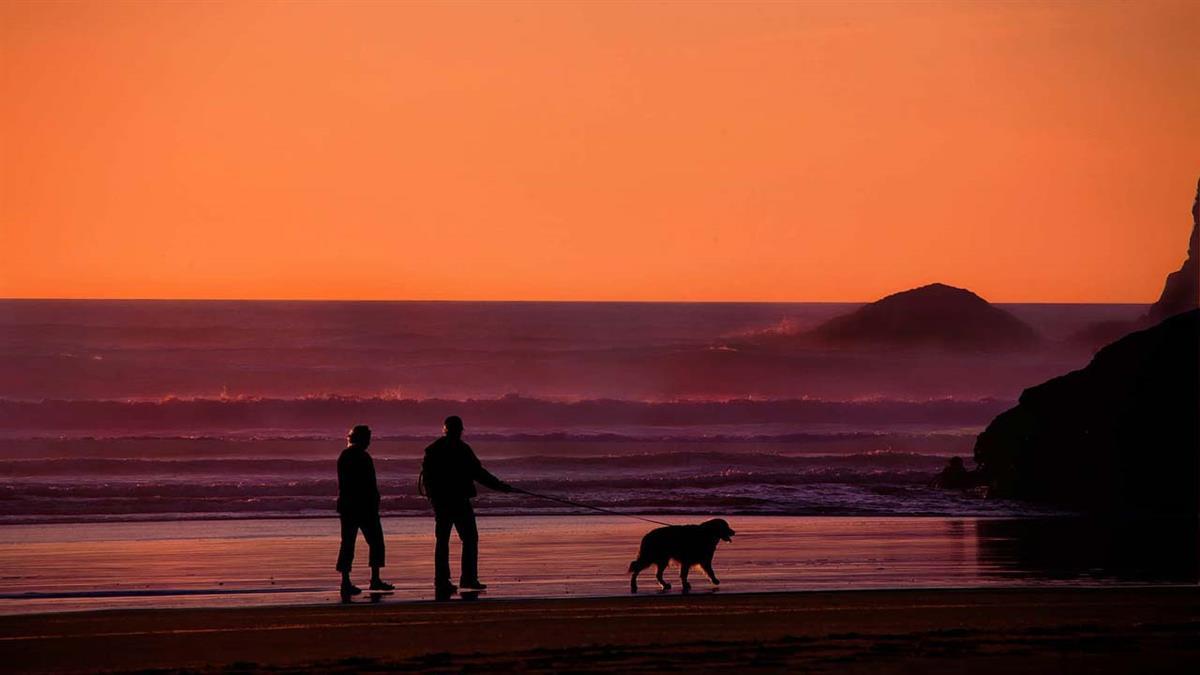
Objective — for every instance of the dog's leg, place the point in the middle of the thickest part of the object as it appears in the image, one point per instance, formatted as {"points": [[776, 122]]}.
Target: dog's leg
{"points": [[712, 576], [662, 582], [636, 568], [683, 574]]}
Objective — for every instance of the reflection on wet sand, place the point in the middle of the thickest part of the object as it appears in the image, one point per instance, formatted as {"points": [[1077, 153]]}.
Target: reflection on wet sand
{"points": [[277, 562], [1087, 549]]}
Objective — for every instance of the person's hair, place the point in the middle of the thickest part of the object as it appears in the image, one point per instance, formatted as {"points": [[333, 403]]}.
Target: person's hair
{"points": [[359, 433], [453, 423]]}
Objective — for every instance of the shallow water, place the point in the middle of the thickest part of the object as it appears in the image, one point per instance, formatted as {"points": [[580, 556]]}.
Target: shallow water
{"points": [[686, 480], [265, 562]]}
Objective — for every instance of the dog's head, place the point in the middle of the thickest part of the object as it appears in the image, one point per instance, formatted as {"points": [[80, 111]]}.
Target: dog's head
{"points": [[719, 528]]}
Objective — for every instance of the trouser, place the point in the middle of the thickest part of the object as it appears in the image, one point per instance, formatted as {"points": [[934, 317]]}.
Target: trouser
{"points": [[459, 515], [372, 531]]}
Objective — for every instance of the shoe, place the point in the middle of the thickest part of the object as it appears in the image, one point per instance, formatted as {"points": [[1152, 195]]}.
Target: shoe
{"points": [[445, 589], [350, 589], [474, 584], [381, 585]]}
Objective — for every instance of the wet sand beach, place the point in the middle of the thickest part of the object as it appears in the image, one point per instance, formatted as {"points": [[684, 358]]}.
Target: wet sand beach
{"points": [[176, 564], [979, 630]]}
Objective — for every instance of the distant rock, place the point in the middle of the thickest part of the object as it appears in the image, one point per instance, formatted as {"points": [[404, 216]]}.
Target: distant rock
{"points": [[936, 315], [955, 476], [1120, 435], [1180, 293]]}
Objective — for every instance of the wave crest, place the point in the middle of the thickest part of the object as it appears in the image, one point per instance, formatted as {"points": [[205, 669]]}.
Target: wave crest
{"points": [[332, 415]]}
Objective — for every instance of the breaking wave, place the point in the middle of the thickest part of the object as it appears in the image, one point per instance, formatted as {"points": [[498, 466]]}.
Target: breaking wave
{"points": [[331, 415]]}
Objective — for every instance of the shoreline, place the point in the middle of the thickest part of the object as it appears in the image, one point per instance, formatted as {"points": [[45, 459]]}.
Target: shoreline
{"points": [[1043, 629], [645, 594]]}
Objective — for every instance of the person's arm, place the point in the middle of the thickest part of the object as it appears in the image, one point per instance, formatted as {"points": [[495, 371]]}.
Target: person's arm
{"points": [[372, 484], [343, 477], [485, 477]]}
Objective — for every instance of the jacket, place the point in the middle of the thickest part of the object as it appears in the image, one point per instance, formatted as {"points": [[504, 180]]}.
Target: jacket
{"points": [[450, 470], [358, 491]]}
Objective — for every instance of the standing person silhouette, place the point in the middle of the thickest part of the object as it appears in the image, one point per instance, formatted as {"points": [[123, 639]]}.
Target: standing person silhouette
{"points": [[358, 507], [448, 476]]}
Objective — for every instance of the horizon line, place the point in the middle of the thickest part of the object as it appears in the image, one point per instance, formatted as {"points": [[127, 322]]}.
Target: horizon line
{"points": [[541, 300]]}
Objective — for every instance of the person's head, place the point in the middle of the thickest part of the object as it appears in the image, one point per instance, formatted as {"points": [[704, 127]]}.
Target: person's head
{"points": [[359, 435], [453, 426]]}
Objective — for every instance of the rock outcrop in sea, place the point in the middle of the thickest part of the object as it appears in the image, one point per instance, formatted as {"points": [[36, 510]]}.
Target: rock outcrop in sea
{"points": [[936, 315], [1120, 435]]}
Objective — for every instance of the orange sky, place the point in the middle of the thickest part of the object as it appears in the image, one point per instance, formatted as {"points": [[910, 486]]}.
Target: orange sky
{"points": [[681, 151]]}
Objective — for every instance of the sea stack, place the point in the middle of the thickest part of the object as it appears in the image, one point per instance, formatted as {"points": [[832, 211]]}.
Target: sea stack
{"points": [[933, 316], [1181, 292]]}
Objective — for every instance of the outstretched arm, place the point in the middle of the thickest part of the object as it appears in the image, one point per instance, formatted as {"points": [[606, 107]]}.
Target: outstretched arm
{"points": [[485, 477]]}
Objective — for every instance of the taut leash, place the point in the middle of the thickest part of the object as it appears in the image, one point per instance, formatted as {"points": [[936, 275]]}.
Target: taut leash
{"points": [[588, 506]]}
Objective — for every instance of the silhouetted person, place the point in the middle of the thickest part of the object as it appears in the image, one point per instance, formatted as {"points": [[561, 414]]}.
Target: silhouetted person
{"points": [[448, 476], [358, 506]]}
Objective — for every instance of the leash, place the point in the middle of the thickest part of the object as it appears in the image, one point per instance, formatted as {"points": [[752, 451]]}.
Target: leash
{"points": [[587, 506]]}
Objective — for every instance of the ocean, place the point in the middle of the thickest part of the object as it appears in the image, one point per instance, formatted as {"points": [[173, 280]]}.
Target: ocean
{"points": [[172, 410]]}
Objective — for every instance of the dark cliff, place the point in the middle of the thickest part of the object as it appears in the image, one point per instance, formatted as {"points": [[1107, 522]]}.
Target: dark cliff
{"points": [[1120, 435], [1181, 292]]}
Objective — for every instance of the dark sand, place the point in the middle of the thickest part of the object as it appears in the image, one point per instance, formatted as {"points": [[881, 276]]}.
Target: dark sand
{"points": [[1118, 630]]}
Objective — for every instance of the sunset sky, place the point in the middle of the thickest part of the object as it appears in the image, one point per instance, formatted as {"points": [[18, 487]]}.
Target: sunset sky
{"points": [[596, 151]]}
